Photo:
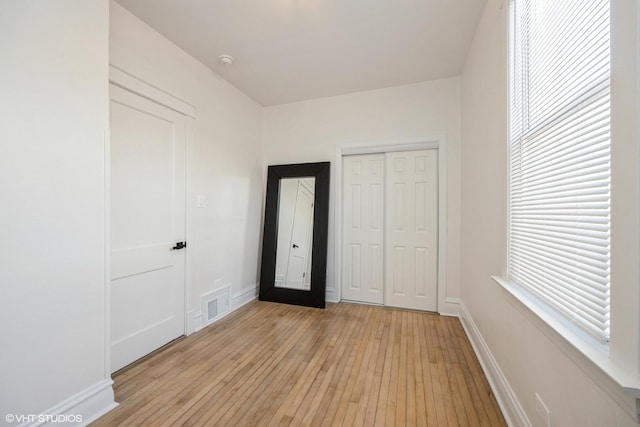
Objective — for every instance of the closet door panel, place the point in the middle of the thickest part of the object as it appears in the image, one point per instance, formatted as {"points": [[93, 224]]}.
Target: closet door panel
{"points": [[363, 225], [411, 235]]}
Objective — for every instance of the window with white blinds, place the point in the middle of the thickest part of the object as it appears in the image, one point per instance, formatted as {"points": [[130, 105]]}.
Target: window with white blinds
{"points": [[559, 237]]}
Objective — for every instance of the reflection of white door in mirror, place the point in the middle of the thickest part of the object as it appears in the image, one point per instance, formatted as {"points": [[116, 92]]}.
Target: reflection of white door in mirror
{"points": [[295, 232]]}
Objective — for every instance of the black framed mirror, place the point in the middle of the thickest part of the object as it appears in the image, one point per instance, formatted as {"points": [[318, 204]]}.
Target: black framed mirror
{"points": [[296, 223]]}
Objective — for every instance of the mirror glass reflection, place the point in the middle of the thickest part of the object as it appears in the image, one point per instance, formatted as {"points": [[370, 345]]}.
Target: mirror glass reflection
{"points": [[295, 233]]}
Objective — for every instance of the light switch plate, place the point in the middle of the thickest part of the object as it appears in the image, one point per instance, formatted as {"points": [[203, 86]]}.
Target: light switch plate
{"points": [[201, 201]]}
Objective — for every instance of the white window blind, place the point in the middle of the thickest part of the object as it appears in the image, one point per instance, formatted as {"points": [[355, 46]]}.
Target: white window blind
{"points": [[559, 245]]}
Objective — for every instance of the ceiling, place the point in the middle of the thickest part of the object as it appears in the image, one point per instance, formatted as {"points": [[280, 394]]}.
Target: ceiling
{"points": [[292, 50]]}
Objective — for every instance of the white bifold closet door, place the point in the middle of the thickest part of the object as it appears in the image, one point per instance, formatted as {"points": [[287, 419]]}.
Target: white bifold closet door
{"points": [[390, 223]]}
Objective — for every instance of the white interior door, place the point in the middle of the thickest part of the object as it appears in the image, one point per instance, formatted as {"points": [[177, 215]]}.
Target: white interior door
{"points": [[363, 225], [148, 144], [411, 239], [300, 238]]}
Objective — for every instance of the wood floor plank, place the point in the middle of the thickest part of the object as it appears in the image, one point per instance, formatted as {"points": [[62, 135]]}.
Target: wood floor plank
{"points": [[337, 410], [436, 364], [416, 414], [401, 393], [355, 393], [314, 357], [367, 410], [428, 374], [276, 364], [249, 363], [426, 365], [196, 390], [327, 371], [179, 376], [385, 385], [392, 397], [325, 412], [359, 394]]}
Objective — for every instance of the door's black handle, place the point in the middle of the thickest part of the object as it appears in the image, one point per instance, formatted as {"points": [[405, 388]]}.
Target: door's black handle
{"points": [[295, 246], [179, 245]]}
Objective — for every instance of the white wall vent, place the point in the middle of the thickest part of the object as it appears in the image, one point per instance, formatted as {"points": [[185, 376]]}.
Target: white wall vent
{"points": [[216, 305]]}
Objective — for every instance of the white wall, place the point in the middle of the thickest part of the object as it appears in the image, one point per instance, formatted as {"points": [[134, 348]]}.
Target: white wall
{"points": [[53, 115], [227, 167], [311, 131], [525, 351]]}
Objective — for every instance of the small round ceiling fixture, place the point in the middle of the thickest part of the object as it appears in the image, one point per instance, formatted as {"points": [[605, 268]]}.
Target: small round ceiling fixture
{"points": [[226, 59]]}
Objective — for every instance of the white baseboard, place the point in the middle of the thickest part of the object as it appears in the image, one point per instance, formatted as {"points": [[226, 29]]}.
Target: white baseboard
{"points": [[451, 307], [244, 296], [80, 409], [194, 318], [513, 412], [331, 295], [194, 321]]}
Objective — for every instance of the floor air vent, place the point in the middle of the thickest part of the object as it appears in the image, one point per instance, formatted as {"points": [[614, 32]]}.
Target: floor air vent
{"points": [[216, 305]]}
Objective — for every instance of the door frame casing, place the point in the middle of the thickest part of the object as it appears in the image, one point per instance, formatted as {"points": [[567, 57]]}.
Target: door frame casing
{"points": [[126, 81], [446, 305]]}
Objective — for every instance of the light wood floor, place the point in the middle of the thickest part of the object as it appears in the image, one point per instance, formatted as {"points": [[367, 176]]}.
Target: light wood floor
{"points": [[271, 364]]}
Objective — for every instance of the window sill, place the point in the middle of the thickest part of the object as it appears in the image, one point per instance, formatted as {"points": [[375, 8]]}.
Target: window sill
{"points": [[592, 358]]}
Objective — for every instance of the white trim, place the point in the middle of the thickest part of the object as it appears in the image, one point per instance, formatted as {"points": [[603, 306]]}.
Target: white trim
{"points": [[107, 254], [100, 398], [622, 387], [442, 226], [372, 304], [511, 408], [244, 296], [210, 296], [429, 144], [189, 228], [90, 404], [332, 298], [125, 81], [194, 322], [237, 300], [446, 306], [450, 307], [335, 295], [133, 84]]}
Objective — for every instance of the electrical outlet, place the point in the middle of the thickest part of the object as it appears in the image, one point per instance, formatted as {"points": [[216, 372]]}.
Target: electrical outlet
{"points": [[544, 412]]}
